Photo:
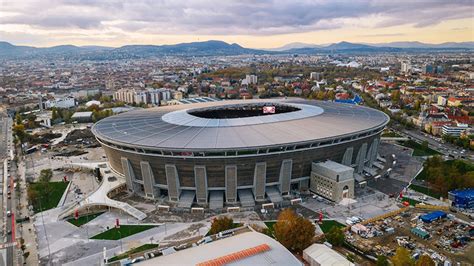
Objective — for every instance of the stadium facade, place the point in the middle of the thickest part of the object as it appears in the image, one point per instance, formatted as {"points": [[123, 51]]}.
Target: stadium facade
{"points": [[236, 151]]}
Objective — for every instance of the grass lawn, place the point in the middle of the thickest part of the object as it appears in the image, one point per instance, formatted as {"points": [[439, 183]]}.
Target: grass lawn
{"points": [[133, 251], [270, 227], [425, 190], [123, 231], [52, 199], [84, 219], [411, 201], [328, 224], [418, 149]]}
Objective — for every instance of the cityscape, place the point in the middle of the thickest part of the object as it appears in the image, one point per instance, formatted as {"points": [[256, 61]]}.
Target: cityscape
{"points": [[237, 133]]}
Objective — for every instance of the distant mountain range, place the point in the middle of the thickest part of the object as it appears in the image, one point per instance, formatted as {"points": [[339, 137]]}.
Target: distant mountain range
{"points": [[407, 45], [8, 50]]}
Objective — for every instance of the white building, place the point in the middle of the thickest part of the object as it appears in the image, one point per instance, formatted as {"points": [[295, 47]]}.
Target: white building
{"points": [[322, 255], [405, 67], [442, 100], [332, 180], [149, 96], [251, 79], [66, 102], [455, 130], [315, 75]]}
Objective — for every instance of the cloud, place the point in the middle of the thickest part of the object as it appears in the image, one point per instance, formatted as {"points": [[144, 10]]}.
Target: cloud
{"points": [[221, 17]]}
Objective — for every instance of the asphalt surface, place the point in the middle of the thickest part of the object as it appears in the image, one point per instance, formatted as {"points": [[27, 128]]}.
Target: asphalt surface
{"points": [[447, 149], [7, 205]]}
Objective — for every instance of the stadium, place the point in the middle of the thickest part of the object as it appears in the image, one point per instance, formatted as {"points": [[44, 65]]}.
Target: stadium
{"points": [[236, 152]]}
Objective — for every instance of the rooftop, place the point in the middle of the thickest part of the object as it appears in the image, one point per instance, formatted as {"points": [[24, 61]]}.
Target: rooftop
{"points": [[175, 127], [249, 248], [324, 255]]}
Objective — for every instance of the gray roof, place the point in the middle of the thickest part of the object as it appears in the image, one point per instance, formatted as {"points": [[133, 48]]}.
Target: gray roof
{"points": [[275, 256], [171, 127]]}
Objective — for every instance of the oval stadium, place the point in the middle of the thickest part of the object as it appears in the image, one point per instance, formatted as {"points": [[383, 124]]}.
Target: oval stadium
{"points": [[243, 152]]}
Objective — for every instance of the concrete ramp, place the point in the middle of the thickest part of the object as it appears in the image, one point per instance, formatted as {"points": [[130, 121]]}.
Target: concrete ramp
{"points": [[216, 200], [274, 194], [246, 198], [186, 199]]}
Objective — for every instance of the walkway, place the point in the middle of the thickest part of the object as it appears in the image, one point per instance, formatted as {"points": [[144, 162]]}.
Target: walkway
{"points": [[99, 197]]}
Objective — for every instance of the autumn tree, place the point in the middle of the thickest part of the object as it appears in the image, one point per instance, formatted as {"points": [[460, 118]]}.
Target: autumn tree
{"points": [[293, 231], [220, 224], [335, 236], [425, 260], [402, 257]]}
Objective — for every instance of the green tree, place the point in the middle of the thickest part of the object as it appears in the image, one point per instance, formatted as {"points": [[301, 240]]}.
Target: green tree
{"points": [[55, 114], [220, 224], [20, 133], [335, 236], [395, 96], [402, 257], [18, 119], [45, 175], [382, 260], [293, 231]]}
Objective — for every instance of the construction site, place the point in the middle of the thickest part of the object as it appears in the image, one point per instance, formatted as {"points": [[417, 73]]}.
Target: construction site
{"points": [[444, 236]]}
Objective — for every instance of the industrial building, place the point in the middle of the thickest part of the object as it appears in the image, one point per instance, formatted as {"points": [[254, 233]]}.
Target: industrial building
{"points": [[433, 216], [462, 198], [233, 152], [322, 255]]}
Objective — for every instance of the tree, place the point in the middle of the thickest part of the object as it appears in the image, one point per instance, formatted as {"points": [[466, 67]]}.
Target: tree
{"points": [[20, 133], [55, 114], [18, 119], [395, 95], [382, 261], [220, 224], [45, 175], [335, 236], [402, 257], [293, 231], [425, 260], [33, 195]]}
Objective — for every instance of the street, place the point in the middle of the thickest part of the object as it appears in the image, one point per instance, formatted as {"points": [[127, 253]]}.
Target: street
{"points": [[8, 214]]}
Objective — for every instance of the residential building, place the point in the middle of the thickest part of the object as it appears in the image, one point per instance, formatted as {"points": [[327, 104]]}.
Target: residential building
{"points": [[455, 130]]}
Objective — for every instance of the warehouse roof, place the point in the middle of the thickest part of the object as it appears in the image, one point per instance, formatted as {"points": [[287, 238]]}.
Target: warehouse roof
{"points": [[432, 216], [325, 256], [180, 126], [249, 248]]}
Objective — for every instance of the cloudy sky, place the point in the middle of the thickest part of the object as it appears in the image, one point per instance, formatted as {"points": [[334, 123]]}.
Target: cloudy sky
{"points": [[251, 23]]}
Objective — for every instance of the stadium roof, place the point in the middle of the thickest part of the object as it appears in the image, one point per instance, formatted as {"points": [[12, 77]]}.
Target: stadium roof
{"points": [[249, 248], [173, 127]]}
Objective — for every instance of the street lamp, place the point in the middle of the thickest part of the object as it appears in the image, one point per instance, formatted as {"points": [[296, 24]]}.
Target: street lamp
{"points": [[121, 247]]}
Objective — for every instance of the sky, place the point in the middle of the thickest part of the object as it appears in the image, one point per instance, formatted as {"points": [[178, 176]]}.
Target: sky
{"points": [[250, 23]]}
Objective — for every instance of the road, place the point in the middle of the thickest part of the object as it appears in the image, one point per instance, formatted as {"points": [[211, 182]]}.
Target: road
{"points": [[447, 149], [8, 206]]}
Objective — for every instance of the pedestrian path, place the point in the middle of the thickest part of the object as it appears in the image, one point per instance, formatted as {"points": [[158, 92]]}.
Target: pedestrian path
{"points": [[99, 197]]}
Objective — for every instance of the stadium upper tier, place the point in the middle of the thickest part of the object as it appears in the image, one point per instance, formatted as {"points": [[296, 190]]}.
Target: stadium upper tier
{"points": [[239, 124]]}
